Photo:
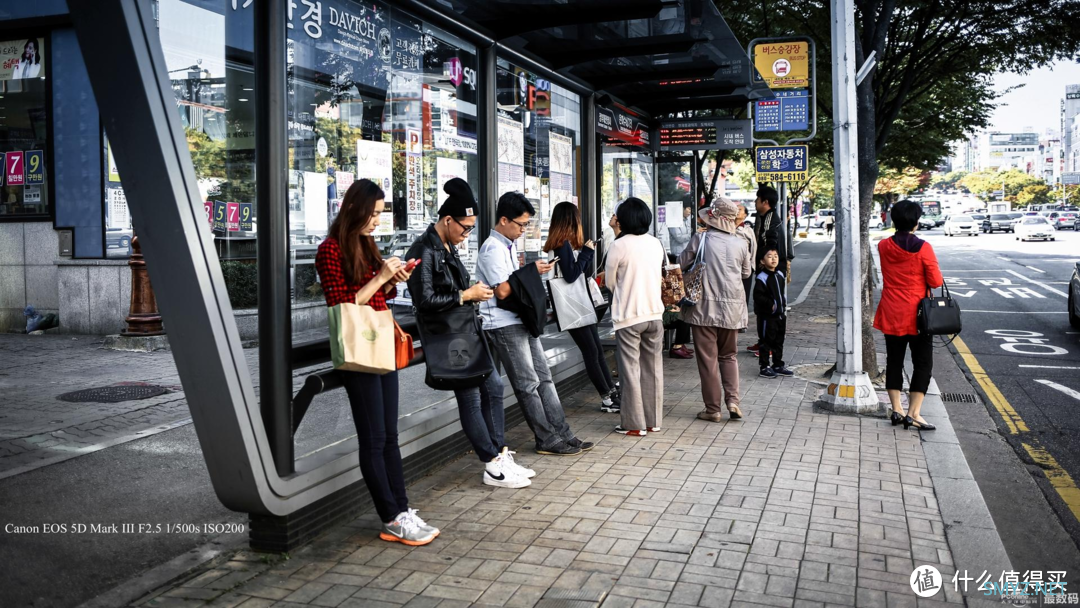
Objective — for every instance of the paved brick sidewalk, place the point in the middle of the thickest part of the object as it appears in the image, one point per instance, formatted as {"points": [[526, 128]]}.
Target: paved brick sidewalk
{"points": [[788, 507]]}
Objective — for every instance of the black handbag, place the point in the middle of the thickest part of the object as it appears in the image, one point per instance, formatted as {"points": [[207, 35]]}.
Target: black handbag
{"points": [[938, 316], [455, 349]]}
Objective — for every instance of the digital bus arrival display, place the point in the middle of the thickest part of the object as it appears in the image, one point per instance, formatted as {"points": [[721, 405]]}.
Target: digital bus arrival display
{"points": [[715, 134]]}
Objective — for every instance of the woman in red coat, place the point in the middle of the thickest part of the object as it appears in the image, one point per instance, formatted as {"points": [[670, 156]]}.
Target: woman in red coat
{"points": [[909, 267]]}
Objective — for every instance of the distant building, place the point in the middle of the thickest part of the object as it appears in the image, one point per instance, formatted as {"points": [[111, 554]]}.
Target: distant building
{"points": [[1003, 151], [1070, 110]]}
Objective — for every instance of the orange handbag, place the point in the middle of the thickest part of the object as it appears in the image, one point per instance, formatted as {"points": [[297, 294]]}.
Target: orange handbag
{"points": [[403, 347]]}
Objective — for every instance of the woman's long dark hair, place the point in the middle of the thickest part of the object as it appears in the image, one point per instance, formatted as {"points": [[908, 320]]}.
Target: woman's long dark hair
{"points": [[37, 51], [358, 251], [565, 226]]}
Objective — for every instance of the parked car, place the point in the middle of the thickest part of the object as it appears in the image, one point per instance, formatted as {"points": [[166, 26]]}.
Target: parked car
{"points": [[961, 224], [117, 237], [818, 219], [1074, 295], [1034, 227], [1076, 224], [1063, 219], [997, 221]]}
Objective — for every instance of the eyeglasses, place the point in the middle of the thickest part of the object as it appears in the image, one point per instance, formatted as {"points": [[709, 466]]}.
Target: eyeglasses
{"points": [[520, 225], [465, 230]]}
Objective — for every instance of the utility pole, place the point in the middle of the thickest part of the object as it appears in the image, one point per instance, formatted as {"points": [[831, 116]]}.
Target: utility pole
{"points": [[850, 389]]}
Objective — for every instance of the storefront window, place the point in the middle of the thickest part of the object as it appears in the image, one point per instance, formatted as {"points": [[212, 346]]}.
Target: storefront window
{"points": [[539, 147], [624, 173], [24, 189], [375, 94]]}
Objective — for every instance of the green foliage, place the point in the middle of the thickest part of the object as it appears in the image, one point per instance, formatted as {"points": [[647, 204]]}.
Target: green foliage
{"points": [[242, 283], [984, 183], [207, 155], [1037, 194], [947, 180]]}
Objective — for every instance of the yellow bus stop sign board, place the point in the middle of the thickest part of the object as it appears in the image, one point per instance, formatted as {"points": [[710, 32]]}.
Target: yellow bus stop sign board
{"points": [[783, 65], [781, 163]]}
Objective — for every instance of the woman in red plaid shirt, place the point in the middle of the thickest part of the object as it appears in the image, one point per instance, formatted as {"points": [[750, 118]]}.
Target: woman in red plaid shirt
{"points": [[351, 270]]}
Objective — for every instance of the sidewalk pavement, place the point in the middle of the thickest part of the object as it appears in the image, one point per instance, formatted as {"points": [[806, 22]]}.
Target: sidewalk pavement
{"points": [[787, 507]]}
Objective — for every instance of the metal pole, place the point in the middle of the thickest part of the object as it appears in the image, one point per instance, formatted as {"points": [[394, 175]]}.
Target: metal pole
{"points": [[488, 136], [849, 389], [271, 158]]}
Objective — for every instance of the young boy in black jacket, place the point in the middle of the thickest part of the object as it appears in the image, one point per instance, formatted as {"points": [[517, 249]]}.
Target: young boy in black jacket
{"points": [[770, 306]]}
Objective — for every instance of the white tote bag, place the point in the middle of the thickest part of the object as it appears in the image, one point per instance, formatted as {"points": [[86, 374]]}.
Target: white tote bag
{"points": [[572, 303]]}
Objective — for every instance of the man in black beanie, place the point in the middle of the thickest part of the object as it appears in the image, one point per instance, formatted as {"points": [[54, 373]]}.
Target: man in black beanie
{"points": [[439, 285]]}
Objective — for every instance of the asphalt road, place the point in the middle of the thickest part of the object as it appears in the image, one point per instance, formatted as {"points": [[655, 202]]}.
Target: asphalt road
{"points": [[1013, 297]]}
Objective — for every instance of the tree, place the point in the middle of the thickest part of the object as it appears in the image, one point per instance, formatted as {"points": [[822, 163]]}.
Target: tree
{"points": [[984, 184], [947, 180], [207, 155], [893, 184], [932, 81], [1037, 194]]}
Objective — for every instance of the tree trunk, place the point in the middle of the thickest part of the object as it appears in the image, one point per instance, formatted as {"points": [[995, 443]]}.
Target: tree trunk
{"points": [[868, 174]]}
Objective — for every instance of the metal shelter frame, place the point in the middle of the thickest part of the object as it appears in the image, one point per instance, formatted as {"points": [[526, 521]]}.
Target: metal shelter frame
{"points": [[247, 440]]}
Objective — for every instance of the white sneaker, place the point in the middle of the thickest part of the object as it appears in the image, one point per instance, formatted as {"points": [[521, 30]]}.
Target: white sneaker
{"points": [[508, 460], [498, 474], [412, 515]]}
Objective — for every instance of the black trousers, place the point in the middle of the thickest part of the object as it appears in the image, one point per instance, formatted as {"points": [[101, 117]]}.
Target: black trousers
{"points": [[772, 333], [922, 360], [374, 401], [588, 342], [682, 332]]}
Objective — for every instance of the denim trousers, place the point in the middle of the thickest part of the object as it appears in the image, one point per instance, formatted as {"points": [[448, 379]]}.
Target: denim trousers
{"points": [[526, 367], [374, 402], [592, 352], [482, 417]]}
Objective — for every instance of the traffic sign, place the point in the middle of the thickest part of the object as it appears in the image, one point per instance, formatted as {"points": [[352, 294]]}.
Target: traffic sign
{"points": [[781, 163], [784, 64], [1070, 179]]}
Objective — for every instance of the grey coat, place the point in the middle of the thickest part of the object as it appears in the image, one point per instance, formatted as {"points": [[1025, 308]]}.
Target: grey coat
{"points": [[727, 262]]}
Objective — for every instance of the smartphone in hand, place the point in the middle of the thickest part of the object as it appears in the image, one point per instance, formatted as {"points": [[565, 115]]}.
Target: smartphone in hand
{"points": [[413, 264]]}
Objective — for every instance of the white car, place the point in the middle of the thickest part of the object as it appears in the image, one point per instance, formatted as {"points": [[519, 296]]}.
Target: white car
{"points": [[1034, 227], [961, 224]]}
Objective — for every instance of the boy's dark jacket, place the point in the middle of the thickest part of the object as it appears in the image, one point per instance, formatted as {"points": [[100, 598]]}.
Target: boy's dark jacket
{"points": [[770, 300], [527, 298]]}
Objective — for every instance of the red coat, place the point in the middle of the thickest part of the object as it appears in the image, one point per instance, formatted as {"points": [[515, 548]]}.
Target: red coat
{"points": [[907, 271]]}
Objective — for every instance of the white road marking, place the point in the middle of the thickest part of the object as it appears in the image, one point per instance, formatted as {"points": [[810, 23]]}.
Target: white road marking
{"points": [[813, 278], [1050, 366], [1043, 285], [1022, 312], [1035, 269], [967, 294], [958, 270], [1064, 389], [1002, 293]]}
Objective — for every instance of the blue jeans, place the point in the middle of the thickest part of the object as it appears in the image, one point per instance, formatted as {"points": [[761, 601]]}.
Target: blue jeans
{"points": [[526, 367], [482, 418]]}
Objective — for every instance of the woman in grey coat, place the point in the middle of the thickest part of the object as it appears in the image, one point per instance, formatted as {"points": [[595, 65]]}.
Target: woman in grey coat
{"points": [[721, 310]]}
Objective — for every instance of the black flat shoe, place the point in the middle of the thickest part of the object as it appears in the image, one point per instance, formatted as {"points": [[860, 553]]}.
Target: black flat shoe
{"points": [[896, 417], [919, 426]]}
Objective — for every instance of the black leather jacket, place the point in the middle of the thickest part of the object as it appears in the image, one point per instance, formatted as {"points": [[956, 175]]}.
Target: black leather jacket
{"points": [[437, 283]]}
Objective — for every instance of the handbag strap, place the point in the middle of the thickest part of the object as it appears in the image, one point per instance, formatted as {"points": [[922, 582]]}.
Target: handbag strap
{"points": [[944, 290], [701, 248]]}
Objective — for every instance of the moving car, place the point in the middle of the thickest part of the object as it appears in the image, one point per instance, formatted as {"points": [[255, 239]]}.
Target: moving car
{"points": [[1034, 227], [927, 222], [117, 237], [1063, 219], [1074, 295], [997, 221], [961, 224]]}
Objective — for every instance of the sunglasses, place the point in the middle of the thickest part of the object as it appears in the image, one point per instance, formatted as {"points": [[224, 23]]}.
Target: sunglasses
{"points": [[465, 230]]}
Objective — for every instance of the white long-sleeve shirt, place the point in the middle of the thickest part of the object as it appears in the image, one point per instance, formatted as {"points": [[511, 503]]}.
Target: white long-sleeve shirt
{"points": [[634, 273]]}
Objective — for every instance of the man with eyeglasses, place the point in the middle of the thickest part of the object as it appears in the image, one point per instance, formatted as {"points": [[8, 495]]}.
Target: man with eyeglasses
{"points": [[522, 354]]}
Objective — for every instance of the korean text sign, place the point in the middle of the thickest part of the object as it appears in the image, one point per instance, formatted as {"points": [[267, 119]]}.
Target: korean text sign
{"points": [[783, 65], [781, 163]]}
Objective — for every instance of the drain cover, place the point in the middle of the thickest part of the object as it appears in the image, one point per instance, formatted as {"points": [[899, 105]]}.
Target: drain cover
{"points": [[959, 397], [113, 394]]}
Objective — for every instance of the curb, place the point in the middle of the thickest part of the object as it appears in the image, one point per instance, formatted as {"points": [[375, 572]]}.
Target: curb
{"points": [[969, 528]]}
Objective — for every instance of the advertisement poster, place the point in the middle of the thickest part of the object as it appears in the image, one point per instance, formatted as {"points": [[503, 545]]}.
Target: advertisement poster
{"points": [[35, 167], [22, 59], [414, 172], [14, 169], [315, 203], [532, 192], [373, 161], [562, 153], [344, 180], [322, 34], [232, 217], [454, 143], [447, 169], [32, 194], [208, 209], [246, 216], [114, 174], [511, 155], [117, 208], [219, 216]]}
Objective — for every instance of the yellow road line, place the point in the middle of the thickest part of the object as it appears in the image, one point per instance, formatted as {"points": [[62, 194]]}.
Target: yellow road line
{"points": [[1058, 477], [1012, 419]]}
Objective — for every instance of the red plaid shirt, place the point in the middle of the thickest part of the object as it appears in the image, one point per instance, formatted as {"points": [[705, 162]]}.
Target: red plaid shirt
{"points": [[336, 286]]}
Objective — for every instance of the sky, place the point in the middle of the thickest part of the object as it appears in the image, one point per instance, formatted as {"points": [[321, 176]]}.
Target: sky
{"points": [[1038, 103]]}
